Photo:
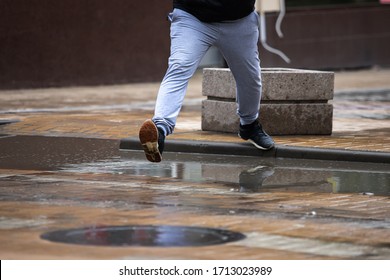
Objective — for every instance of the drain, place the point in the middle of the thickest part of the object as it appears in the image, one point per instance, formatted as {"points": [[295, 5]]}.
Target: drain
{"points": [[151, 236]]}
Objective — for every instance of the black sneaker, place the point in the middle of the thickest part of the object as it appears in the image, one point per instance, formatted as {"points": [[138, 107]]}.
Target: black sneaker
{"points": [[255, 134], [152, 140]]}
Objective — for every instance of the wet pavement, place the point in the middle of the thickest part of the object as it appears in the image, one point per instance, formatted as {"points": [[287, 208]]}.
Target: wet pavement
{"points": [[61, 169]]}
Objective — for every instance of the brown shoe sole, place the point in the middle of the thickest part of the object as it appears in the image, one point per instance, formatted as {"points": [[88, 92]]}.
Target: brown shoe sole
{"points": [[148, 136]]}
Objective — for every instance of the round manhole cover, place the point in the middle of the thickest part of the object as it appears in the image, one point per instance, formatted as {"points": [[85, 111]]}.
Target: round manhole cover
{"points": [[158, 236]]}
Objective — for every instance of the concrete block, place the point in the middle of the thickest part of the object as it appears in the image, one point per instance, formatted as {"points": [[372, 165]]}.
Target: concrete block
{"points": [[294, 101], [277, 119], [278, 84]]}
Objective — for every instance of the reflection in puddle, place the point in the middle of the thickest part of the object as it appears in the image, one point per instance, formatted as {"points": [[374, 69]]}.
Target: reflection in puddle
{"points": [[251, 180], [247, 174]]}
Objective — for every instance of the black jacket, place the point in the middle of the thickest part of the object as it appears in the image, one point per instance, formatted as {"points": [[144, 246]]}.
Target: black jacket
{"points": [[216, 10]]}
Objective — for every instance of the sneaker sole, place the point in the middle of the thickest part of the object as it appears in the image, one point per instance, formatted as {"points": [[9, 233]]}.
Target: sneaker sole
{"points": [[148, 136], [260, 147], [256, 145]]}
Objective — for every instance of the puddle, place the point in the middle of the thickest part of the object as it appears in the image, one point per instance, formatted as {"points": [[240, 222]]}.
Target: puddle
{"points": [[380, 95], [374, 104], [7, 121], [252, 174], [237, 173], [150, 236], [49, 153]]}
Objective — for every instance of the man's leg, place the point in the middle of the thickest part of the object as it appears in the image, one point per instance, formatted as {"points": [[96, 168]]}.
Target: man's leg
{"points": [[190, 40], [238, 44]]}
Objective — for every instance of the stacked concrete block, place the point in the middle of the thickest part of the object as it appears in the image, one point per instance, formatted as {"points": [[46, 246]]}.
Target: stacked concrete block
{"points": [[294, 102]]}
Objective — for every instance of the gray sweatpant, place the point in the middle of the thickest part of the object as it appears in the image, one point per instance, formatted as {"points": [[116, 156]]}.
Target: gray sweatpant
{"points": [[190, 39]]}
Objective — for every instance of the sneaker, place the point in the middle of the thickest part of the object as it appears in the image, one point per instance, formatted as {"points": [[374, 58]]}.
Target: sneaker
{"points": [[255, 134], [251, 180], [152, 140]]}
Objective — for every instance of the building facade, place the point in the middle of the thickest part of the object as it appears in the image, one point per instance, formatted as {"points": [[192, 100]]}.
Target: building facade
{"points": [[46, 43]]}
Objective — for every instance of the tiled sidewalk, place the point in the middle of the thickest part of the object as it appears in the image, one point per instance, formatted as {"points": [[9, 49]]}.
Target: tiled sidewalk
{"points": [[116, 112]]}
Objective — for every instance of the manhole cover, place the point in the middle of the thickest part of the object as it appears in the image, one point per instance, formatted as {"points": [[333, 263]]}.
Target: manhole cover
{"points": [[157, 236]]}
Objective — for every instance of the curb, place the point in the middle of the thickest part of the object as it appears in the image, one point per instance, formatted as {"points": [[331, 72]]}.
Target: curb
{"points": [[246, 149]]}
